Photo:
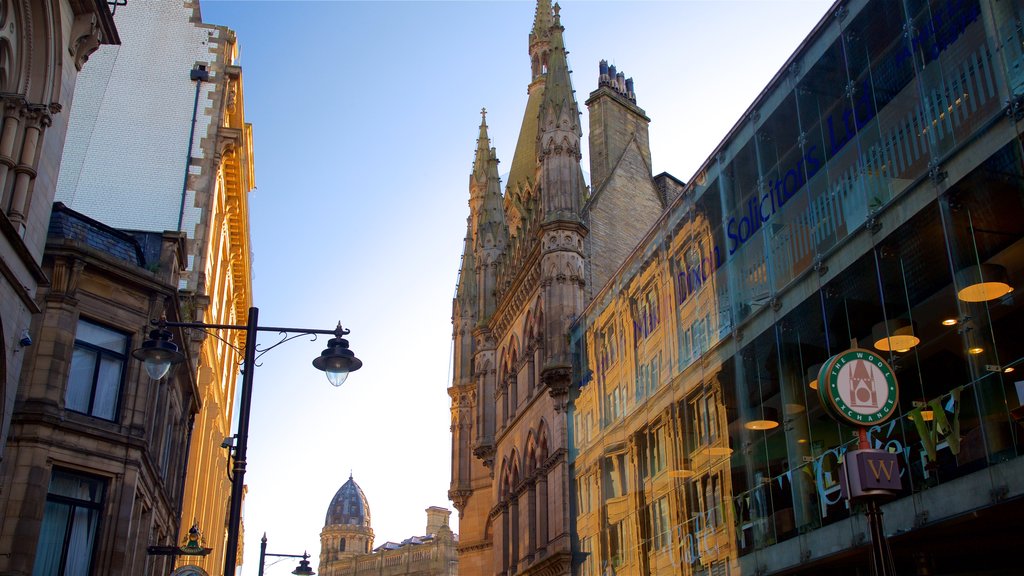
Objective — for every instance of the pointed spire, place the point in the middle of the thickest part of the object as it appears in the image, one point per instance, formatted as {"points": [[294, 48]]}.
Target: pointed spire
{"points": [[539, 39], [558, 86], [483, 148], [541, 21], [488, 230], [466, 290], [559, 136]]}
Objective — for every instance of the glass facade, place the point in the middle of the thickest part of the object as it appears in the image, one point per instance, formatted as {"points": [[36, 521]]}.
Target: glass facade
{"points": [[872, 197]]}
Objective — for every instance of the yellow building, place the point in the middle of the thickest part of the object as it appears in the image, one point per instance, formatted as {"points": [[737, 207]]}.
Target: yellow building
{"points": [[882, 215], [123, 169], [870, 198]]}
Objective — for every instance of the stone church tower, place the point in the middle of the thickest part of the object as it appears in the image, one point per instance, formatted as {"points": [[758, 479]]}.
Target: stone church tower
{"points": [[531, 259]]}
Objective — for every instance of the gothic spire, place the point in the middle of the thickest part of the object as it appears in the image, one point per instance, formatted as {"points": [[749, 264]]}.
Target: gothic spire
{"points": [[558, 140], [558, 92], [485, 193], [465, 292], [539, 38], [483, 147], [488, 227], [541, 20]]}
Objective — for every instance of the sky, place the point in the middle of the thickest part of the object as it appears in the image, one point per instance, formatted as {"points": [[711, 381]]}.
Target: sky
{"points": [[365, 117]]}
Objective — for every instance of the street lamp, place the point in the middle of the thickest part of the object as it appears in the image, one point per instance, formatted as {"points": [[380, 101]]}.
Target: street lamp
{"points": [[158, 353], [302, 569]]}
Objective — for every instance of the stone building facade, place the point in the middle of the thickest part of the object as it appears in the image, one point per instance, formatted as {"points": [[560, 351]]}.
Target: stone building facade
{"points": [[536, 248], [346, 542], [866, 208], [46, 44], [161, 143], [96, 454]]}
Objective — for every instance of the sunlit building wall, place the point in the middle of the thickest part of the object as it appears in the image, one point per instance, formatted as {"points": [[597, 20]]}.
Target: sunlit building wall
{"points": [[162, 144], [535, 248], [871, 196]]}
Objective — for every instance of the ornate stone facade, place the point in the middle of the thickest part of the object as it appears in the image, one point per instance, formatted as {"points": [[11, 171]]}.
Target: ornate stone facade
{"points": [[196, 160], [43, 45], [96, 454], [346, 542], [532, 257]]}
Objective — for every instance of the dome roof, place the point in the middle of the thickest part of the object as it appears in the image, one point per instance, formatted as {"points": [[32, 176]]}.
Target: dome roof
{"points": [[349, 506]]}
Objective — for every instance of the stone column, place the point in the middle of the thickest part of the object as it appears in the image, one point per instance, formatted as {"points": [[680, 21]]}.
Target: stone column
{"points": [[37, 118], [8, 137]]}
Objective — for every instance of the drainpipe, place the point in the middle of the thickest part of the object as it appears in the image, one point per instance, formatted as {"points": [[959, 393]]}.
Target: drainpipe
{"points": [[199, 74], [183, 479]]}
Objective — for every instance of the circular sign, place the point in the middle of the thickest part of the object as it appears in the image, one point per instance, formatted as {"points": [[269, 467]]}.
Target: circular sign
{"points": [[858, 387], [189, 571]]}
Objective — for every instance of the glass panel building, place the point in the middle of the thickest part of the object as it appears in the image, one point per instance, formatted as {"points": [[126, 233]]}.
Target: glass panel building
{"points": [[871, 197]]}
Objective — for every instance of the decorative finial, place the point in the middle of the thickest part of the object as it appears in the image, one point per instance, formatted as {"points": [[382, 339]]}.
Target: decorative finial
{"points": [[483, 113]]}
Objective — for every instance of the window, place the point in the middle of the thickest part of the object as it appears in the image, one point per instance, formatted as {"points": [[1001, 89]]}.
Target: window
{"points": [[614, 402], [647, 378], [661, 530], [70, 523], [704, 420], [587, 550], [651, 445], [618, 545], [645, 314], [97, 369], [584, 495], [608, 348], [616, 481]]}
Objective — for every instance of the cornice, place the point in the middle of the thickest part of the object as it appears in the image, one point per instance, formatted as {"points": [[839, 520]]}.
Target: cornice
{"points": [[475, 547], [556, 564]]}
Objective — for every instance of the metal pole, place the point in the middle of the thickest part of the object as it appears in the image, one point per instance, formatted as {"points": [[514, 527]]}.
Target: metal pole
{"points": [[238, 482], [263, 552], [881, 555]]}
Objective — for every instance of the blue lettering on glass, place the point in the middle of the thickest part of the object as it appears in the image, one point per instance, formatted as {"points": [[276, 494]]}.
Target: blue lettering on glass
{"points": [[947, 23]]}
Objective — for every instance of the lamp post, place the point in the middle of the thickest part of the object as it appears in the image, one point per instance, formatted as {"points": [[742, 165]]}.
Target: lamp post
{"points": [[302, 569], [159, 353]]}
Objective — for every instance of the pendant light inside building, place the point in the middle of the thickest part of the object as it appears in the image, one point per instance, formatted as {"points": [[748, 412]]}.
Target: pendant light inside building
{"points": [[769, 419], [896, 335], [812, 376], [982, 283]]}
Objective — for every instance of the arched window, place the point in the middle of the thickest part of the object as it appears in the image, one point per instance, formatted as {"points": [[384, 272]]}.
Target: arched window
{"points": [[341, 545]]}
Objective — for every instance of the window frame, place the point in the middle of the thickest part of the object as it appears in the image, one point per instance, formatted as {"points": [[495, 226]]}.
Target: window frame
{"points": [[100, 353], [72, 505]]}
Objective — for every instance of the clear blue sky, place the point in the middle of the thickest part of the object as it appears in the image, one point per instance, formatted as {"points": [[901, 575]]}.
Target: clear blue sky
{"points": [[365, 118]]}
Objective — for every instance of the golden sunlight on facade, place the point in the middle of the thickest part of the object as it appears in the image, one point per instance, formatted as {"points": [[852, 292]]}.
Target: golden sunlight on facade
{"points": [[118, 172], [868, 203]]}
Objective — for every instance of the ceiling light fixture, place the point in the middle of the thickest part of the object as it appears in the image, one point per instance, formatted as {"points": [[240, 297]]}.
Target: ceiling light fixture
{"points": [[983, 283], [895, 335]]}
